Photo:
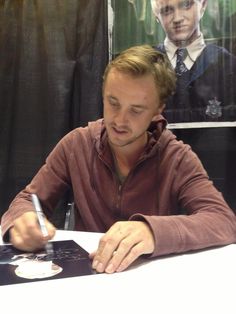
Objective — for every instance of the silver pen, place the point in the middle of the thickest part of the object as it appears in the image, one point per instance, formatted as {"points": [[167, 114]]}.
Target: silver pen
{"points": [[39, 212], [69, 223]]}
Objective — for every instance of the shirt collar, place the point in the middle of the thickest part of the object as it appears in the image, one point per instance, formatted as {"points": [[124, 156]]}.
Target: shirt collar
{"points": [[194, 49]]}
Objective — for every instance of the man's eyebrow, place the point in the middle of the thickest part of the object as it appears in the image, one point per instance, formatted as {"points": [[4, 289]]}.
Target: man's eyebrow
{"points": [[188, 2], [138, 106], [166, 8]]}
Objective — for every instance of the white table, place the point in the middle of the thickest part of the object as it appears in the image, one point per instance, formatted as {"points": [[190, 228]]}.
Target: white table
{"points": [[196, 283]]}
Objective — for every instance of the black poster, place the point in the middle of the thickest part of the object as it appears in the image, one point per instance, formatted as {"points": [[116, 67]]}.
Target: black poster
{"points": [[67, 260]]}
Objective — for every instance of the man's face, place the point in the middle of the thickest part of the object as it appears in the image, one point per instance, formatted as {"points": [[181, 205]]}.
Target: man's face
{"points": [[130, 104], [180, 19]]}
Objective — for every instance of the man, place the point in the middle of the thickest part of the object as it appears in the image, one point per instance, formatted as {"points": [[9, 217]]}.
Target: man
{"points": [[207, 74], [130, 177]]}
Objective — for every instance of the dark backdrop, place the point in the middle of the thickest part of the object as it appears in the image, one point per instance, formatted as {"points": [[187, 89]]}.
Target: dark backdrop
{"points": [[52, 57], [216, 147]]}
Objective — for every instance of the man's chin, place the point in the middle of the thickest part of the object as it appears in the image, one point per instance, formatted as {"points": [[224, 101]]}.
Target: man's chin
{"points": [[116, 142], [181, 39]]}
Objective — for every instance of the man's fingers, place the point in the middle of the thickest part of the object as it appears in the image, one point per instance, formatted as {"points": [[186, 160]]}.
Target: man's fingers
{"points": [[125, 254], [51, 229], [107, 245], [24, 241], [26, 233], [121, 245], [133, 254]]}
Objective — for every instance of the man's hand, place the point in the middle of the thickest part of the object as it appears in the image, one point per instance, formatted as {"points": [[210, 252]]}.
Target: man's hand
{"points": [[123, 243], [26, 234]]}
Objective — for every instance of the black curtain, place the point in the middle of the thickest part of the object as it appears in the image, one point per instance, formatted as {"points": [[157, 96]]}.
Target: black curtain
{"points": [[216, 147], [52, 57]]}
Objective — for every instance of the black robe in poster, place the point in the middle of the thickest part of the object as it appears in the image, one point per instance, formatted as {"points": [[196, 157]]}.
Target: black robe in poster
{"points": [[208, 90]]}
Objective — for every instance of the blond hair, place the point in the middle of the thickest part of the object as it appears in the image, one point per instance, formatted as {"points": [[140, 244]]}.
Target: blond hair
{"points": [[155, 6], [143, 60]]}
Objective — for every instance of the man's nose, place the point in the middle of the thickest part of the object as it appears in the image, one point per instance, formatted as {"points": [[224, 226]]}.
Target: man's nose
{"points": [[121, 117], [177, 15]]}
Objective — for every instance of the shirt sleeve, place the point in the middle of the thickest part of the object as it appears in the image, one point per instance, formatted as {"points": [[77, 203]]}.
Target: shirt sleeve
{"points": [[50, 183], [208, 222]]}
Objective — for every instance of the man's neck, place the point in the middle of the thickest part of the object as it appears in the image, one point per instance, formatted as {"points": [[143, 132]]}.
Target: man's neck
{"points": [[127, 156]]}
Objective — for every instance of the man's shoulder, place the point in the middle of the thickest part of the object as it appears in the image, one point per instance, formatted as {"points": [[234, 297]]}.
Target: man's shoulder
{"points": [[92, 126], [214, 57], [160, 47], [215, 51], [86, 133], [169, 143]]}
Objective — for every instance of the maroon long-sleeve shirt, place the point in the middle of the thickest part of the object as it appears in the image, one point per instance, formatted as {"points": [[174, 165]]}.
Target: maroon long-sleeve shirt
{"points": [[167, 181]]}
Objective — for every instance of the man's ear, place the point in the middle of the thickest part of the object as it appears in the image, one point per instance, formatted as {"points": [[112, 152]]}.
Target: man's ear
{"points": [[159, 111], [204, 5], [161, 108]]}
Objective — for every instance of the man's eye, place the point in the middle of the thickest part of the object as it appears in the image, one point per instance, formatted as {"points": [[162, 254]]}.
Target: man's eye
{"points": [[113, 104], [186, 4], [167, 10], [136, 111]]}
